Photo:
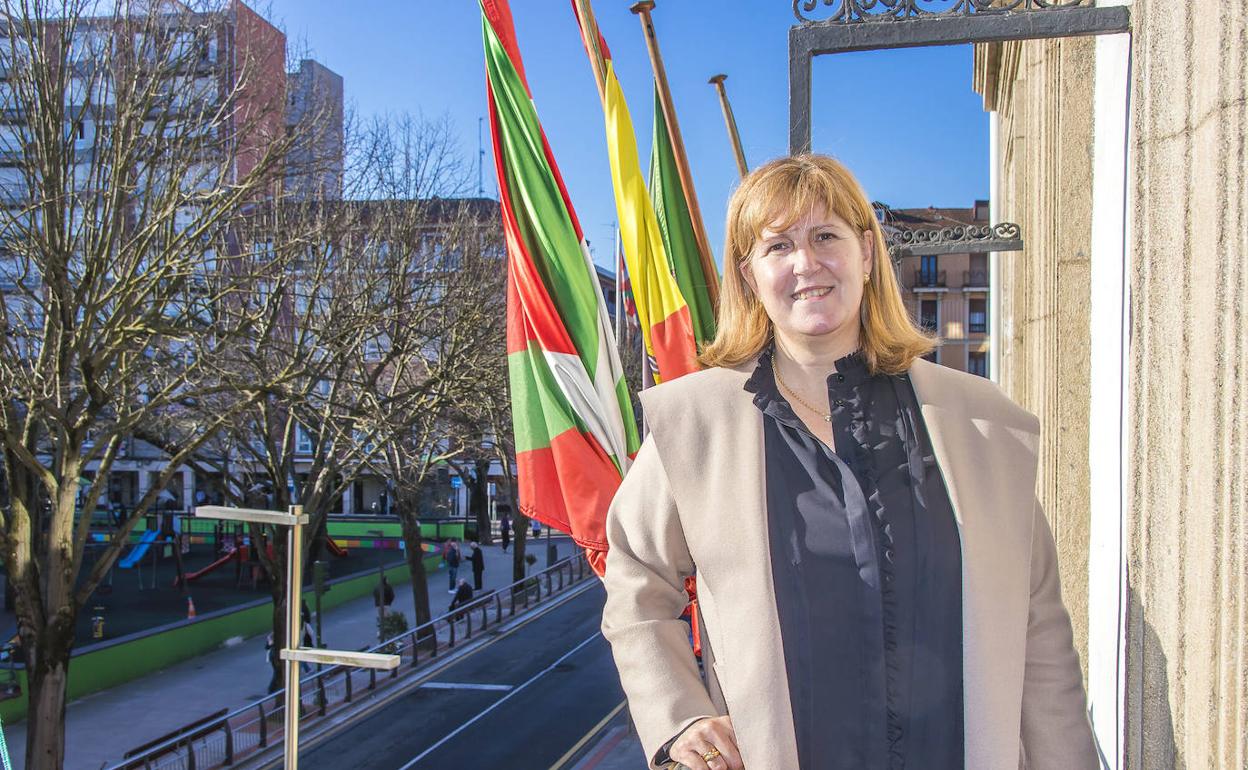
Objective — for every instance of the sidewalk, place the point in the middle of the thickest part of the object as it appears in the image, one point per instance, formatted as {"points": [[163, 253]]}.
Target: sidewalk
{"points": [[618, 748], [101, 727]]}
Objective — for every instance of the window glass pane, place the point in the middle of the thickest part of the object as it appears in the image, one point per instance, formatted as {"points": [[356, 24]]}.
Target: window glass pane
{"points": [[927, 315], [978, 316], [977, 363]]}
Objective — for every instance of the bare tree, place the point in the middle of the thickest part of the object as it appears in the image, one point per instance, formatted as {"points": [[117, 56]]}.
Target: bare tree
{"points": [[444, 275], [493, 413], [124, 290], [299, 441]]}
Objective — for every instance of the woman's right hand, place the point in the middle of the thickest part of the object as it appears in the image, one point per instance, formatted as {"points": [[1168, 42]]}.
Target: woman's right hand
{"points": [[703, 736]]}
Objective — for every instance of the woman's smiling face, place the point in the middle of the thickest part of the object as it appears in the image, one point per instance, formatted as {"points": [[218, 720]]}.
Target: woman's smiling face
{"points": [[810, 275]]}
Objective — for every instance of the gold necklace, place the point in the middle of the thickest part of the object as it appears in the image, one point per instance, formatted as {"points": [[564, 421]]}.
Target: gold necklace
{"points": [[827, 416]]}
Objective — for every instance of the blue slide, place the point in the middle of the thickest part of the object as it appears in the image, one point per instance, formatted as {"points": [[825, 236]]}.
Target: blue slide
{"points": [[138, 551]]}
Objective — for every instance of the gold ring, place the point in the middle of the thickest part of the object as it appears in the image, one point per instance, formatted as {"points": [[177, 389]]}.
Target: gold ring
{"points": [[708, 756]]}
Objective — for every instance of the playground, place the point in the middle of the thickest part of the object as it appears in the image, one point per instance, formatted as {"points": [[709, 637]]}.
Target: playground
{"points": [[177, 567]]}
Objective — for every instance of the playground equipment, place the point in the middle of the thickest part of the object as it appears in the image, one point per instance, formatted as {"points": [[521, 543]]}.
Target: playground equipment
{"points": [[236, 553], [139, 551], [334, 548], [233, 554]]}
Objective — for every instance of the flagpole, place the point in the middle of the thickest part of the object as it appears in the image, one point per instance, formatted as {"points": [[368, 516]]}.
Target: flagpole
{"points": [[730, 122], [589, 33], [709, 273], [619, 283]]}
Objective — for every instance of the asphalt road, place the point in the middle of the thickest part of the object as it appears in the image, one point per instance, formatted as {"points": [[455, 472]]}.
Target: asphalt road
{"points": [[518, 703]]}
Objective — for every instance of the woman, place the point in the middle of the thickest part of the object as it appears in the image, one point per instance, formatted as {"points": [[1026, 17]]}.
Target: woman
{"points": [[877, 584]]}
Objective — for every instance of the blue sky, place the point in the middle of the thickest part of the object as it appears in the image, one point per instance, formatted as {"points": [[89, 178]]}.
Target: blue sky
{"points": [[905, 121]]}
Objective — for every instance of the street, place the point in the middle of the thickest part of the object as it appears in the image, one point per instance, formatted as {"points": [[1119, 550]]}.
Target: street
{"points": [[521, 702]]}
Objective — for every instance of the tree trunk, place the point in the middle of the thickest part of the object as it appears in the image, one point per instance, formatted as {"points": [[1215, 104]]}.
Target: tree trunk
{"points": [[520, 534], [415, 556], [480, 501], [47, 668]]}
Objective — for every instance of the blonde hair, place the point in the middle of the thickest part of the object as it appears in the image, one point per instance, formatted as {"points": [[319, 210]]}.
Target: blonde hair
{"points": [[779, 193]]}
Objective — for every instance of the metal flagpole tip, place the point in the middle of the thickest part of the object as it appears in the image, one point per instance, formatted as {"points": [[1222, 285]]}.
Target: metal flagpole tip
{"points": [[641, 6], [717, 79]]}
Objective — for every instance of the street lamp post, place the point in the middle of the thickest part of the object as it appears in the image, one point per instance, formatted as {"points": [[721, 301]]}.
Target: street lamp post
{"points": [[292, 652], [381, 580]]}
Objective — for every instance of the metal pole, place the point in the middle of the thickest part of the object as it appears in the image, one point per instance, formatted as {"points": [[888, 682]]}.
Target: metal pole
{"points": [[730, 122], [381, 586], [319, 644], [709, 273], [294, 582], [619, 284], [292, 652]]}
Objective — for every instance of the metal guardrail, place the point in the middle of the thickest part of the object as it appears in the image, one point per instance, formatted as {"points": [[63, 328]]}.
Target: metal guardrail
{"points": [[245, 731]]}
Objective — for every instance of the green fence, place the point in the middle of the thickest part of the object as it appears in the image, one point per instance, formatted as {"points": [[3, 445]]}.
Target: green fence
{"points": [[340, 527]]}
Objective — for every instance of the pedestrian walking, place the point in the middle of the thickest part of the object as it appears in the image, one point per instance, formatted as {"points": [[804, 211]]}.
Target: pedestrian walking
{"points": [[383, 595], [537, 528], [309, 634], [271, 655], [477, 557], [452, 563], [504, 528]]}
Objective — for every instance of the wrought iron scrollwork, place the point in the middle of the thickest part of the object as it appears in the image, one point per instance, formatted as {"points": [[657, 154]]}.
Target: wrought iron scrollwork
{"points": [[852, 11], [955, 235]]}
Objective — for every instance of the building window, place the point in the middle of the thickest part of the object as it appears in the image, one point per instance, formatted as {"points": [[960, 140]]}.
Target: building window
{"points": [[978, 315], [303, 440], [927, 273], [928, 315], [978, 274], [927, 270], [977, 363]]}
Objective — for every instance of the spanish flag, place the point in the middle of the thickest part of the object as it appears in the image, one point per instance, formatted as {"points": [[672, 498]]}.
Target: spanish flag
{"points": [[666, 326]]}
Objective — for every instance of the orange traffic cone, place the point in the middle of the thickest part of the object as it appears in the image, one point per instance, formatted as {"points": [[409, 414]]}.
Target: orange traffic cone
{"points": [[190, 608]]}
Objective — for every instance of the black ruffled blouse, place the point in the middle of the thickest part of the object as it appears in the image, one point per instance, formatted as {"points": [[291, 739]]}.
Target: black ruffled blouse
{"points": [[868, 574]]}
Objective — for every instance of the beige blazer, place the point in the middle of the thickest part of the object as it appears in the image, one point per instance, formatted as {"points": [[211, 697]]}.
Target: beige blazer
{"points": [[695, 497]]}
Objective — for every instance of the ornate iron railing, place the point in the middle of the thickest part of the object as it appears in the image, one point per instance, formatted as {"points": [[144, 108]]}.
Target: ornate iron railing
{"points": [[852, 11], [259, 725], [1005, 236]]}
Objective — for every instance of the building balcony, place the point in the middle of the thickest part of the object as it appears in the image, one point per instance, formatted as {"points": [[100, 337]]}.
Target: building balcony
{"points": [[929, 280], [974, 280]]}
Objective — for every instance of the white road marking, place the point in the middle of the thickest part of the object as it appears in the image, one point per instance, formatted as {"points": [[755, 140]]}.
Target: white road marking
{"points": [[464, 686], [500, 701]]}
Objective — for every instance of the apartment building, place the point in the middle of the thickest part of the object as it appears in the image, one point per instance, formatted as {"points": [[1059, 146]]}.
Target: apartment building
{"points": [[231, 51], [946, 293], [314, 121]]}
